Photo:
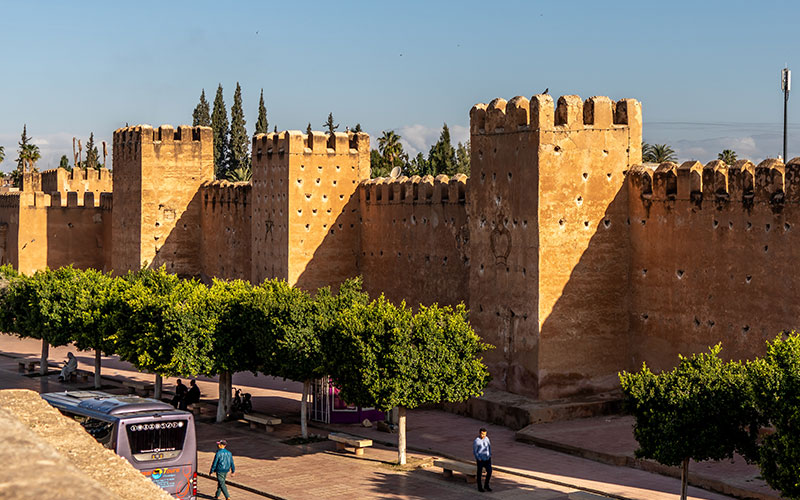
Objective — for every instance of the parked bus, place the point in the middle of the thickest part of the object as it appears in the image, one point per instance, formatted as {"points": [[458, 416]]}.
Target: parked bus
{"points": [[152, 435]]}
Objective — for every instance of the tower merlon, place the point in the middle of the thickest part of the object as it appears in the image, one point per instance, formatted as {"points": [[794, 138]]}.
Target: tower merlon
{"points": [[570, 113]]}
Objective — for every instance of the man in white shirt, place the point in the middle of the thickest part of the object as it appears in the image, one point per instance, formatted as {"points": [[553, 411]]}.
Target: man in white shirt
{"points": [[69, 368]]}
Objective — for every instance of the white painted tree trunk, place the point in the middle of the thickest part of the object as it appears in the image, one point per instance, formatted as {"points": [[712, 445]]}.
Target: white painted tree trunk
{"points": [[43, 361], [304, 410], [401, 435], [158, 386], [225, 389], [97, 363]]}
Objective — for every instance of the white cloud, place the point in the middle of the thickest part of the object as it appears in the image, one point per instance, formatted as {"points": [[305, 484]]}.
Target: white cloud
{"points": [[419, 138]]}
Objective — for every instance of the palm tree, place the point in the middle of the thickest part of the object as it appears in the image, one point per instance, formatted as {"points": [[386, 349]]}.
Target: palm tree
{"points": [[390, 147], [242, 173], [29, 154], [728, 156], [657, 153], [2, 154]]}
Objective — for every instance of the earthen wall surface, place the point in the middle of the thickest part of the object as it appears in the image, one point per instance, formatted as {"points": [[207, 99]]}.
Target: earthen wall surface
{"points": [[226, 220], [414, 239], [59, 179], [166, 167], [306, 207], [713, 258]]}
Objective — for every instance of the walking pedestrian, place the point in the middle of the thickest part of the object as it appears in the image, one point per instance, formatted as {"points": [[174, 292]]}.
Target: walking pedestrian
{"points": [[223, 462], [482, 449]]}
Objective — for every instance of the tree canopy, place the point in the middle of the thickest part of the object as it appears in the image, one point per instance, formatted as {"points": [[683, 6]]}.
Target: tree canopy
{"points": [[262, 125], [219, 127], [201, 115], [239, 148]]}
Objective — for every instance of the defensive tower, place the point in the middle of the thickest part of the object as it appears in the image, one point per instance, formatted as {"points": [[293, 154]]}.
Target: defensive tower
{"points": [[157, 207], [549, 240]]}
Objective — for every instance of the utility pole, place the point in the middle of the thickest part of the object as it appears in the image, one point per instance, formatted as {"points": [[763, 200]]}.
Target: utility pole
{"points": [[786, 83]]}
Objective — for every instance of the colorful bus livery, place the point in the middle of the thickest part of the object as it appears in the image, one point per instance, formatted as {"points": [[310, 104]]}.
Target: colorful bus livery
{"points": [[153, 436]]}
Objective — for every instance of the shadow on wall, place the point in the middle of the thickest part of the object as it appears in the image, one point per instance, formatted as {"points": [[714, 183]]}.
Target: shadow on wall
{"points": [[179, 249], [325, 255], [584, 338]]}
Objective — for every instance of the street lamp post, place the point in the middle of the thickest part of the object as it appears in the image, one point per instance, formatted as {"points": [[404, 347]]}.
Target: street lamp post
{"points": [[786, 83]]}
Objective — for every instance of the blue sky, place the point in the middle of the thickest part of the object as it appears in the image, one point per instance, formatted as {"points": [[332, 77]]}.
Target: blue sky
{"points": [[706, 72]]}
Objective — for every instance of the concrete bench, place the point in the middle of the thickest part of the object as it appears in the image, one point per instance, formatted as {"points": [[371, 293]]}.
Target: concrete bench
{"points": [[470, 471], [198, 407], [134, 385], [346, 440], [33, 365], [83, 374], [256, 419]]}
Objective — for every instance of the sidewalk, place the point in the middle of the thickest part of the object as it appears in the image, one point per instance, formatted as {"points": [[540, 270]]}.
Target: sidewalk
{"points": [[314, 471]]}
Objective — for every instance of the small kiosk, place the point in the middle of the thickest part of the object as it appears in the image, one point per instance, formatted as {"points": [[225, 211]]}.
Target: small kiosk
{"points": [[329, 408]]}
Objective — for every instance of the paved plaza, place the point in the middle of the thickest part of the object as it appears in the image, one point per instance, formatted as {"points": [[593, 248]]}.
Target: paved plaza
{"points": [[268, 467]]}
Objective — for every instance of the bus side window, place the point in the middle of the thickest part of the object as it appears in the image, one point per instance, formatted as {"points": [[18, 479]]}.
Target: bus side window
{"points": [[101, 430]]}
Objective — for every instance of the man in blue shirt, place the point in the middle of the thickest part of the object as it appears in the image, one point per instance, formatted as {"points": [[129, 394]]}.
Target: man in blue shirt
{"points": [[223, 462], [482, 449]]}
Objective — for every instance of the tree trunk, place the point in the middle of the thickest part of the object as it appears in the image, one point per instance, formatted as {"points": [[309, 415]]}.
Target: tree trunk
{"points": [[43, 361], [225, 389], [684, 477], [401, 435], [158, 386], [304, 410], [97, 362]]}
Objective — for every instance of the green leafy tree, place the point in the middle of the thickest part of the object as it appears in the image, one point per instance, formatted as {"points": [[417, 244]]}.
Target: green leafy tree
{"points": [[728, 156], [90, 322], [201, 115], [442, 156], [91, 154], [242, 173], [463, 158], [219, 127], [377, 164], [40, 307], [64, 163], [262, 125], [776, 389], [391, 150], [418, 166], [28, 155], [329, 124], [701, 410], [239, 150], [357, 128], [238, 338], [657, 153], [2, 154], [385, 356], [164, 324]]}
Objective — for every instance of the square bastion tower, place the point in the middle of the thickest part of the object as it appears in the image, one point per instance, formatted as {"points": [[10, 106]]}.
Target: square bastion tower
{"points": [[549, 240], [305, 217]]}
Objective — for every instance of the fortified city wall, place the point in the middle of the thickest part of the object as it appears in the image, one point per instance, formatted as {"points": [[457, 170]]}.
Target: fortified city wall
{"points": [[414, 239], [226, 220], [59, 179], [712, 258]]}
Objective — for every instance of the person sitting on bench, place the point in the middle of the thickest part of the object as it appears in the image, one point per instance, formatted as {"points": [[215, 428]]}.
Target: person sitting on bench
{"points": [[193, 396], [69, 368], [180, 394]]}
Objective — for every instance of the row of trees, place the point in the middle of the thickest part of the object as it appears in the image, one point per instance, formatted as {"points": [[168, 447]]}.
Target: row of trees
{"points": [[660, 153], [709, 409], [231, 143], [442, 158], [379, 354]]}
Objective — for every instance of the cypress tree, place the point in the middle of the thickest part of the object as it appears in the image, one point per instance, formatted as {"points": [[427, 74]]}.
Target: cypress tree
{"points": [[262, 125], [442, 157], [219, 126], [239, 152], [308, 128], [201, 114], [330, 125], [91, 154]]}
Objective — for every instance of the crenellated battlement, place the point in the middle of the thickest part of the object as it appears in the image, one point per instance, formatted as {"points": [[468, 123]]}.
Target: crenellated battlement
{"points": [[74, 199], [539, 113], [770, 181], [296, 142], [415, 189], [165, 133], [225, 194], [59, 179]]}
